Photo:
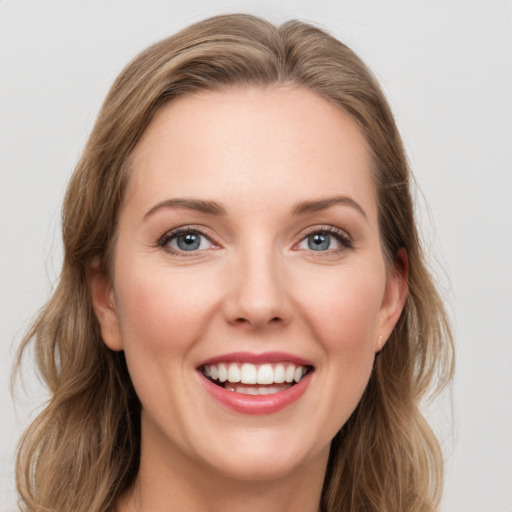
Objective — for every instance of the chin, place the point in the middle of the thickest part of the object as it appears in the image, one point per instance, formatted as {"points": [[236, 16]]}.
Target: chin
{"points": [[265, 457]]}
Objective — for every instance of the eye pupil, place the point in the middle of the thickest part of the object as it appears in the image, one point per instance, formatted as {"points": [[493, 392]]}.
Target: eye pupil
{"points": [[319, 242], [189, 242]]}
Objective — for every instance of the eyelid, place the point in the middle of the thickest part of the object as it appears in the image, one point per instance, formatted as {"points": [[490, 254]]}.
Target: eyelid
{"points": [[173, 233], [326, 228], [342, 236]]}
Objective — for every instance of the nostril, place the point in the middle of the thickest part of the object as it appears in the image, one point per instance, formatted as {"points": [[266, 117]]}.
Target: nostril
{"points": [[274, 320]]}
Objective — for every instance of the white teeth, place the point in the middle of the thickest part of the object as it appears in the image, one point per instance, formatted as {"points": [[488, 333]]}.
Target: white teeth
{"points": [[233, 373], [254, 390], [297, 376], [248, 391], [279, 374], [223, 372], [265, 374], [248, 373], [290, 372]]}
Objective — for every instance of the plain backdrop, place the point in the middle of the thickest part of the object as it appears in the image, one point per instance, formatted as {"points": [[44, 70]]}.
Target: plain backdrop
{"points": [[446, 67]]}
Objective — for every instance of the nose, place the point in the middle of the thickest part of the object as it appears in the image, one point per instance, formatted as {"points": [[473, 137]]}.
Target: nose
{"points": [[258, 295]]}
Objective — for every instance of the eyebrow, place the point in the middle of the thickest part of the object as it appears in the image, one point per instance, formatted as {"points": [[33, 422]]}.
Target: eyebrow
{"points": [[322, 204], [200, 205], [214, 208]]}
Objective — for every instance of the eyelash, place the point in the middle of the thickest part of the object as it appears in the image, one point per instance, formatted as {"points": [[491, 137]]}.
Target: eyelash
{"points": [[163, 242], [341, 236]]}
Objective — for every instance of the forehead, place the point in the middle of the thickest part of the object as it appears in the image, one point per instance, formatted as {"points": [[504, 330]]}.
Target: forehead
{"points": [[271, 143]]}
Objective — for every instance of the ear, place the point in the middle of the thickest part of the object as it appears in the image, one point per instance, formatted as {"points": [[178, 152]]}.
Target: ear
{"points": [[103, 303], [394, 298]]}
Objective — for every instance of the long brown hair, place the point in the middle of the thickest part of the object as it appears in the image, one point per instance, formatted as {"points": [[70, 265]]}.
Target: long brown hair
{"points": [[82, 452]]}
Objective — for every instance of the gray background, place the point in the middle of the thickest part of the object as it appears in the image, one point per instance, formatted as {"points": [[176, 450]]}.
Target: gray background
{"points": [[446, 67]]}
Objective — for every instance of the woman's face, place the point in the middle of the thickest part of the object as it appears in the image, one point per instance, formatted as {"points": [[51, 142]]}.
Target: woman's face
{"points": [[248, 249]]}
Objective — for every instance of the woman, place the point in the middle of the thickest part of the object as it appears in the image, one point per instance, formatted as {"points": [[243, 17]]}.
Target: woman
{"points": [[240, 246]]}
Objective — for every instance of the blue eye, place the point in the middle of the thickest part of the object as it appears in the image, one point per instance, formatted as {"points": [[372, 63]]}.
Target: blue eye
{"points": [[186, 240], [323, 240], [319, 242]]}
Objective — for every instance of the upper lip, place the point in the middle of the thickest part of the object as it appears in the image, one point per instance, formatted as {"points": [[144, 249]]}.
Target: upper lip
{"points": [[262, 358]]}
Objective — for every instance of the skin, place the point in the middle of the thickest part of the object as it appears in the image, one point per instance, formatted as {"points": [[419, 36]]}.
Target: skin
{"points": [[254, 285]]}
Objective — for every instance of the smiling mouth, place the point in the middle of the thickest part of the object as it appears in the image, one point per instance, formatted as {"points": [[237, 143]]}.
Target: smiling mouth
{"points": [[255, 379]]}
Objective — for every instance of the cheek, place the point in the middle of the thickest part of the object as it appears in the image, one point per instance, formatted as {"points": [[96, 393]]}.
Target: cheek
{"points": [[343, 310], [163, 314], [161, 311], [345, 320]]}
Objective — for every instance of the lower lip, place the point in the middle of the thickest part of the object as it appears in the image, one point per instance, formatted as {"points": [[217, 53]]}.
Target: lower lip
{"points": [[257, 404]]}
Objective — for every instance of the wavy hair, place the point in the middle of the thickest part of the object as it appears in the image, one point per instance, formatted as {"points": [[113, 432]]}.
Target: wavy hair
{"points": [[82, 452]]}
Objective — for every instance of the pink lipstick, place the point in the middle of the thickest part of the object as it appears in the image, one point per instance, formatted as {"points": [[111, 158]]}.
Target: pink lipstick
{"points": [[256, 383]]}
